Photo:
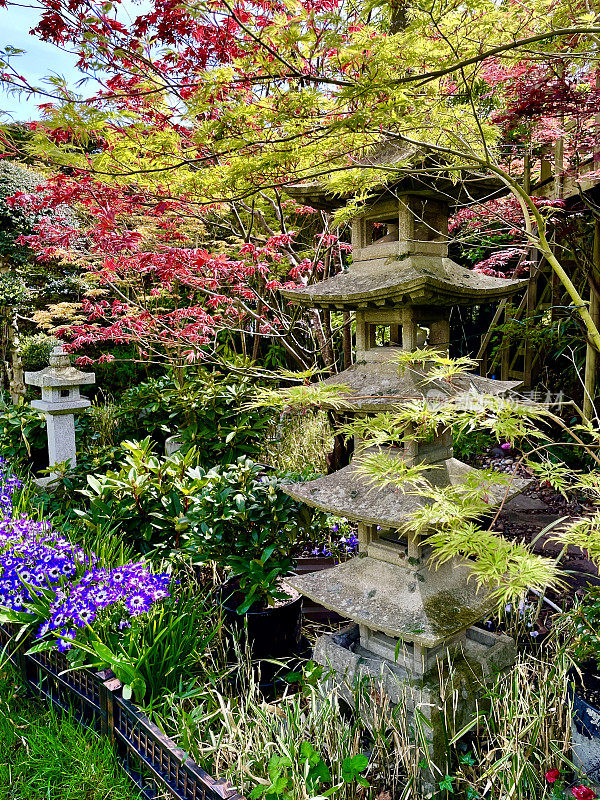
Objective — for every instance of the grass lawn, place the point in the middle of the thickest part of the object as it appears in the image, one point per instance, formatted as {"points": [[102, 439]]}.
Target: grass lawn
{"points": [[48, 756]]}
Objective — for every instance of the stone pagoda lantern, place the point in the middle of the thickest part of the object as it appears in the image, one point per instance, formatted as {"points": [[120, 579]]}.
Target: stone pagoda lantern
{"points": [[61, 398], [409, 618]]}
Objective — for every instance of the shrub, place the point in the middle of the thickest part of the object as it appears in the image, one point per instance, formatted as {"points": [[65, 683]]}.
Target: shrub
{"points": [[209, 411], [22, 431], [243, 520], [145, 499], [95, 601], [35, 350]]}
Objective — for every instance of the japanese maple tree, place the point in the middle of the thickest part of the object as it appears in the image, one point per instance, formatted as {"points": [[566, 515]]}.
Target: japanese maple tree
{"points": [[205, 114]]}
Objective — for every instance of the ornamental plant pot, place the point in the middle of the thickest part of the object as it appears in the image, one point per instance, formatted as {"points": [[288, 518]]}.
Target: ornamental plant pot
{"points": [[585, 733], [311, 610], [306, 564], [273, 632]]}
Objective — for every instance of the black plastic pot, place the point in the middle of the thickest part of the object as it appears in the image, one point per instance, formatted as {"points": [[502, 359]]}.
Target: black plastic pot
{"points": [[586, 720], [311, 610], [274, 632]]}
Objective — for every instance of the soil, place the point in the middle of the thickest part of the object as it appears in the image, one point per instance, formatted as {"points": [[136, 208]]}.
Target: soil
{"points": [[523, 519], [525, 516]]}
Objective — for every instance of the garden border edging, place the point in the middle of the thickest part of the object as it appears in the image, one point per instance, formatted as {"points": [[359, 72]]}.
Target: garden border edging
{"points": [[151, 759]]}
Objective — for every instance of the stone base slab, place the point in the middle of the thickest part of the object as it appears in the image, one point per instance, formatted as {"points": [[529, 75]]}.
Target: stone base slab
{"points": [[451, 689]]}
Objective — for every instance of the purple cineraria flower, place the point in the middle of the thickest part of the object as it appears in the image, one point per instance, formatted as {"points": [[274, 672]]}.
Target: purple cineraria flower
{"points": [[34, 558], [9, 484], [134, 591], [66, 637]]}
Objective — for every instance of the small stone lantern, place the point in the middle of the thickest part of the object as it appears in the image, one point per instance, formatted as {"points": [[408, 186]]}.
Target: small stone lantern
{"points": [[60, 384]]}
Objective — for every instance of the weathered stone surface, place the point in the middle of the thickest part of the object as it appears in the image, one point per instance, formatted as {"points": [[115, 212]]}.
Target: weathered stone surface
{"points": [[61, 408], [487, 654], [378, 385], [60, 377], [415, 280], [523, 503], [60, 384], [61, 438], [484, 654], [420, 604], [348, 494], [59, 373]]}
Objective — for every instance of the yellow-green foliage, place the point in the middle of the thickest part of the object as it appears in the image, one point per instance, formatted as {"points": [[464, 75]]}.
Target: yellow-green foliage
{"points": [[314, 395], [379, 471], [583, 533], [451, 517], [439, 364], [394, 85], [302, 443]]}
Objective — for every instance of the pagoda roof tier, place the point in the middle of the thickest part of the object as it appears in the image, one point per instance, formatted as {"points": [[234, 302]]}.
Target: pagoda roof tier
{"points": [[347, 492], [379, 385], [415, 280], [473, 186], [425, 605]]}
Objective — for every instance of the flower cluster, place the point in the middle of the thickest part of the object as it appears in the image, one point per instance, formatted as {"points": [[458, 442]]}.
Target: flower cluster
{"points": [[580, 792], [33, 558], [132, 588], [37, 563], [9, 483], [341, 542]]}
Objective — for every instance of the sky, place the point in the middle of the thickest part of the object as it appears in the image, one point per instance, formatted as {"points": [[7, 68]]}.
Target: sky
{"points": [[39, 60]]}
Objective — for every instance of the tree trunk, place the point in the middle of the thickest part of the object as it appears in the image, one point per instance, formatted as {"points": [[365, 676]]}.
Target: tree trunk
{"points": [[324, 345]]}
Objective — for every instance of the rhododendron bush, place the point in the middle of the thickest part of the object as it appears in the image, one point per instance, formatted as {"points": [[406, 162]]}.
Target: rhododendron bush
{"points": [[203, 115]]}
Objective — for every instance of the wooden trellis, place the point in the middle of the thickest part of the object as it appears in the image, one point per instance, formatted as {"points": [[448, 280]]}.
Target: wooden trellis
{"points": [[544, 291], [519, 361]]}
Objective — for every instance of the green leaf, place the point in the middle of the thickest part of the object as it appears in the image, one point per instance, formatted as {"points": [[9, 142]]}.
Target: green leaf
{"points": [[447, 783], [7, 616], [40, 647]]}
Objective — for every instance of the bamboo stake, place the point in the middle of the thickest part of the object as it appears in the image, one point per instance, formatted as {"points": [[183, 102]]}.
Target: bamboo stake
{"points": [[591, 356]]}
